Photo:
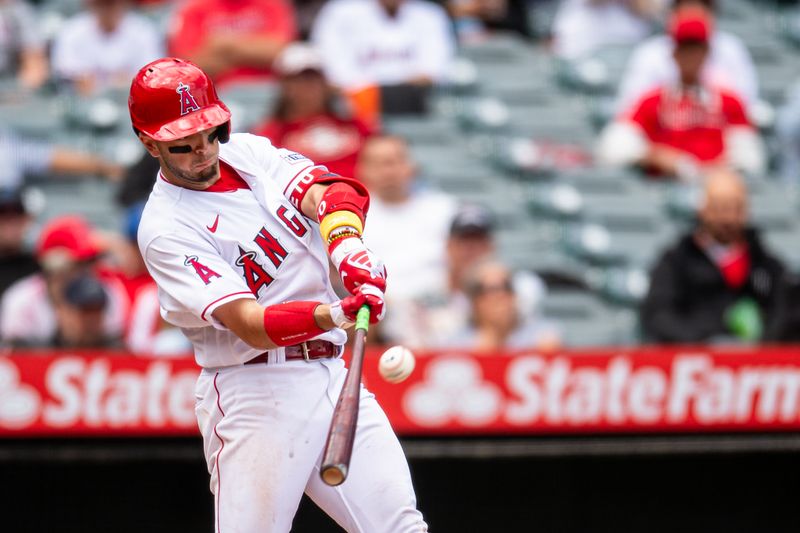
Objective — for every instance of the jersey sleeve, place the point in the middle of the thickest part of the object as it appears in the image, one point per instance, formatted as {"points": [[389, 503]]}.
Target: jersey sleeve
{"points": [[292, 172], [194, 279]]}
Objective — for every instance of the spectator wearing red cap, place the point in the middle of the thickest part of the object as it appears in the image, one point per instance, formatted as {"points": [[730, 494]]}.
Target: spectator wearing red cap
{"points": [[68, 248], [728, 65], [307, 117], [232, 40], [685, 128]]}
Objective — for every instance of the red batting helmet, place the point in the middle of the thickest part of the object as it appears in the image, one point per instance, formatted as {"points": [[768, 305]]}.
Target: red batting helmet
{"points": [[172, 98]]}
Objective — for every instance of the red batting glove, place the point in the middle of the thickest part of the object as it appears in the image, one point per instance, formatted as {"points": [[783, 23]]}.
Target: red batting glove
{"points": [[344, 311], [357, 265]]}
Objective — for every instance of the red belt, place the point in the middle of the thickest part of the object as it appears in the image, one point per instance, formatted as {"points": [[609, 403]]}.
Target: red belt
{"points": [[305, 350]]}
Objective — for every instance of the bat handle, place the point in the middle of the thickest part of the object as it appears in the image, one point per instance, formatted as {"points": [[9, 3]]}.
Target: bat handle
{"points": [[362, 318]]}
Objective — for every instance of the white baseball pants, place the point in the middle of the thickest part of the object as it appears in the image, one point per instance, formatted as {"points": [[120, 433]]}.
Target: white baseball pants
{"points": [[264, 428]]}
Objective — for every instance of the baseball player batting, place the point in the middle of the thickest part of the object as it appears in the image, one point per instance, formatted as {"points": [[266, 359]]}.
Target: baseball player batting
{"points": [[237, 235]]}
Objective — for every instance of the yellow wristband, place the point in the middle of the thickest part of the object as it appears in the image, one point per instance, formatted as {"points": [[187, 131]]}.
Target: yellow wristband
{"points": [[337, 219]]}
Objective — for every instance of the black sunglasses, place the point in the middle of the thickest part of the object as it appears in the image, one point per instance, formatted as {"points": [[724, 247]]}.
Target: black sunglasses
{"points": [[479, 289], [185, 148]]}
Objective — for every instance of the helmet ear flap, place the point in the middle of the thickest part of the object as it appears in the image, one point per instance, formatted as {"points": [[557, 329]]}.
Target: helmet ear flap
{"points": [[224, 132]]}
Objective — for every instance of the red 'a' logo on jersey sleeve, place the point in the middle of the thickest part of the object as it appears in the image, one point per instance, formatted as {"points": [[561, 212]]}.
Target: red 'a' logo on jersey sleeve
{"points": [[202, 270], [188, 103]]}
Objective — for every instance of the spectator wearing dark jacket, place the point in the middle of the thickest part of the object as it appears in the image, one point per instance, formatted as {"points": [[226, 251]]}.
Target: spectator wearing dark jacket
{"points": [[718, 282]]}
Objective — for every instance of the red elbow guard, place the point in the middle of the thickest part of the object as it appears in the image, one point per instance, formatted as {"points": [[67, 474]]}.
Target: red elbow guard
{"points": [[291, 322], [346, 194]]}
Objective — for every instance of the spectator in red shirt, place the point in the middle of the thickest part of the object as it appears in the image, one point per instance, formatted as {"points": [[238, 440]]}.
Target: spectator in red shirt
{"points": [[686, 129], [35, 310], [232, 40], [306, 118]]}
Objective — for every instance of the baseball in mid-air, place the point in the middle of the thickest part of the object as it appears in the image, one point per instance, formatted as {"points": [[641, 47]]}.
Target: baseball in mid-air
{"points": [[396, 364]]}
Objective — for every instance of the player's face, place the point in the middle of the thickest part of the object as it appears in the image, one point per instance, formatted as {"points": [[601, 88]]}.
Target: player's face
{"points": [[193, 161]]}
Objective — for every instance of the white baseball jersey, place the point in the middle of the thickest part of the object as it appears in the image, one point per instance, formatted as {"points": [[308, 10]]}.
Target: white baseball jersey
{"points": [[362, 45], [206, 248]]}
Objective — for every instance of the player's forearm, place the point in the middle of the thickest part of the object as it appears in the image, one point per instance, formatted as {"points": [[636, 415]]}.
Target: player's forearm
{"points": [[276, 325]]}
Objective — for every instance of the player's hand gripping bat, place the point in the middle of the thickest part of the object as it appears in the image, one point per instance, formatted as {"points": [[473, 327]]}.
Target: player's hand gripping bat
{"points": [[339, 448]]}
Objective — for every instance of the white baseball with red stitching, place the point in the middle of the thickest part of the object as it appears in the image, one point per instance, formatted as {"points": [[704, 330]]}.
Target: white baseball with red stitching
{"points": [[396, 364]]}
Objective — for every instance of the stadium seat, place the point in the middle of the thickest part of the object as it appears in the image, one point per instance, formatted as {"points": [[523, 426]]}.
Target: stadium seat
{"points": [[586, 321]]}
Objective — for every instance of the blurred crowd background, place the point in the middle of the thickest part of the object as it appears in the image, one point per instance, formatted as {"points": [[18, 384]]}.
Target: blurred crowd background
{"points": [[544, 174]]}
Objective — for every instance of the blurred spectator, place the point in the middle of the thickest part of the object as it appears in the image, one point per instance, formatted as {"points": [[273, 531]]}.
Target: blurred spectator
{"points": [[31, 308], [718, 281], [104, 46], [729, 65], [582, 26], [434, 318], [16, 261], [408, 224], [232, 40], [79, 315], [495, 322], [474, 19], [146, 332], [138, 180], [23, 157], [787, 128], [383, 42], [306, 12], [681, 129], [306, 118], [22, 46]]}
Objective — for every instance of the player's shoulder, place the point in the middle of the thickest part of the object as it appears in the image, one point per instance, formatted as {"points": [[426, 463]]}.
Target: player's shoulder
{"points": [[246, 145], [245, 142], [161, 215]]}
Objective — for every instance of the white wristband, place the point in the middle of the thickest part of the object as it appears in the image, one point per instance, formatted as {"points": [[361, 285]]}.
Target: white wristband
{"points": [[337, 315]]}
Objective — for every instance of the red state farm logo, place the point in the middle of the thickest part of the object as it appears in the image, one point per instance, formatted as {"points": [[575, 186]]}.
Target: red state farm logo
{"points": [[19, 403], [453, 391]]}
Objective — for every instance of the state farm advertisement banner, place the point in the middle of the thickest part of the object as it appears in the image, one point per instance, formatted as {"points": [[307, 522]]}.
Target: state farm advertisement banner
{"points": [[632, 391]]}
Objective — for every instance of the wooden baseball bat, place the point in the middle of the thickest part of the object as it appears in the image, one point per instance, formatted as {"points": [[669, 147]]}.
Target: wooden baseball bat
{"points": [[339, 447]]}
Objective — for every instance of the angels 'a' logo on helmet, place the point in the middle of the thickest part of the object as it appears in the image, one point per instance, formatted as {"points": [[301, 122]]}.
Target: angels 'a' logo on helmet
{"points": [[188, 103]]}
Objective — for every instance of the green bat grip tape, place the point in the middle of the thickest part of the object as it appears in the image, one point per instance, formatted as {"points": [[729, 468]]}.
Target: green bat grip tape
{"points": [[362, 318]]}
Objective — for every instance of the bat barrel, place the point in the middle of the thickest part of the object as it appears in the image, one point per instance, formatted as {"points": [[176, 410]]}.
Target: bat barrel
{"points": [[339, 446]]}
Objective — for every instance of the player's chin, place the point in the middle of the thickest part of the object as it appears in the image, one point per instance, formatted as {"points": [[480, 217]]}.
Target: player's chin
{"points": [[207, 174]]}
